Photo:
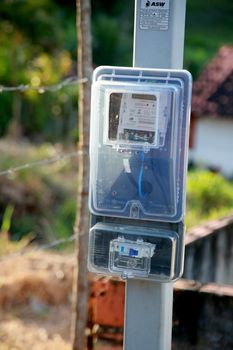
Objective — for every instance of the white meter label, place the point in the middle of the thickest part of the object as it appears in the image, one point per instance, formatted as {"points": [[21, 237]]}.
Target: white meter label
{"points": [[138, 118], [154, 15]]}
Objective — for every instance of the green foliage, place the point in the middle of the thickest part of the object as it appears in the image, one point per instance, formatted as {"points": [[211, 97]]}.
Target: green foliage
{"points": [[65, 217], [112, 33], [105, 31], [209, 196], [6, 220], [38, 201], [8, 246], [37, 48], [208, 27], [23, 224]]}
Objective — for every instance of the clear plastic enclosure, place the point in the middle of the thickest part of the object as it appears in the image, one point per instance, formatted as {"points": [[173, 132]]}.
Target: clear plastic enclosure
{"points": [[138, 150], [135, 251]]}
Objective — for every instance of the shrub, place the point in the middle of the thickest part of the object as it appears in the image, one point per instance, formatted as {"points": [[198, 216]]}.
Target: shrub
{"points": [[209, 196]]}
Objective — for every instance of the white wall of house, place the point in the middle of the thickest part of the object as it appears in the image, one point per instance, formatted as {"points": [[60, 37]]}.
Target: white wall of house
{"points": [[213, 144]]}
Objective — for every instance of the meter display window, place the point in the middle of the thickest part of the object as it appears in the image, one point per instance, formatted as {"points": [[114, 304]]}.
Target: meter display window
{"points": [[133, 118]]}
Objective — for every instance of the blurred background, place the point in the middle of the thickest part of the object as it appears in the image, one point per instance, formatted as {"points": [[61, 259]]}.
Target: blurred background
{"points": [[39, 134]]}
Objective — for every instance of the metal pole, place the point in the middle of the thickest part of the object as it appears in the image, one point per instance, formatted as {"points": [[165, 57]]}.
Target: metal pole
{"points": [[148, 316], [159, 34], [158, 43]]}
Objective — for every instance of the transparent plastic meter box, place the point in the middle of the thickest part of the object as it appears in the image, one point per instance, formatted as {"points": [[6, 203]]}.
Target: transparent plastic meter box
{"points": [[139, 138], [137, 251]]}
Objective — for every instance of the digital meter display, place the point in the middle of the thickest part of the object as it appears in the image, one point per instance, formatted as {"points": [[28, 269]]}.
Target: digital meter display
{"points": [[133, 118]]}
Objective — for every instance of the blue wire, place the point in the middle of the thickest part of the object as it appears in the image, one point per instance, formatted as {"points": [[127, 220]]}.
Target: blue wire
{"points": [[141, 194]]}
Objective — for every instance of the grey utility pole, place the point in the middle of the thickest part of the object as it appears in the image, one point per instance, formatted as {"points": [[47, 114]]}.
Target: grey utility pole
{"points": [[158, 43]]}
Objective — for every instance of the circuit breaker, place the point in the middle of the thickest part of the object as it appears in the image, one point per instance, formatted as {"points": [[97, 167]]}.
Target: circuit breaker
{"points": [[138, 164]]}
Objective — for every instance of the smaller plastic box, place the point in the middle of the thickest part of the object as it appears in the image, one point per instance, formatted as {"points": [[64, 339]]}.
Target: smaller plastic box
{"points": [[136, 252]]}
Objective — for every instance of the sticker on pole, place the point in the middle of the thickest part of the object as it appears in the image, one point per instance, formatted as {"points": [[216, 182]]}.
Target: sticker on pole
{"points": [[154, 15]]}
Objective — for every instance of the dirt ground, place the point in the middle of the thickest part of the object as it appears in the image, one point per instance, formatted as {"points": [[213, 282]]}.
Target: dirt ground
{"points": [[35, 302]]}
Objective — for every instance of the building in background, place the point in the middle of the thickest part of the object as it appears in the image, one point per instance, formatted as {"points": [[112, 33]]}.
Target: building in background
{"points": [[211, 139]]}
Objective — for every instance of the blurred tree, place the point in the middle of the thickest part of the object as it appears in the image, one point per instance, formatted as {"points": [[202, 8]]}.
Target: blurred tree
{"points": [[208, 27], [112, 32], [34, 51]]}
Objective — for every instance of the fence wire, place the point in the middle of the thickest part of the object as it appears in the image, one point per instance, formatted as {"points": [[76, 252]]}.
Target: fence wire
{"points": [[28, 250], [38, 163], [42, 162], [44, 88]]}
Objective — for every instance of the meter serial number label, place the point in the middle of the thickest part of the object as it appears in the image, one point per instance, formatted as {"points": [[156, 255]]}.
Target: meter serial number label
{"points": [[154, 15]]}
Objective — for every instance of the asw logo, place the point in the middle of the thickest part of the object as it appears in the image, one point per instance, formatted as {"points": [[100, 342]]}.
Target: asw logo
{"points": [[154, 4]]}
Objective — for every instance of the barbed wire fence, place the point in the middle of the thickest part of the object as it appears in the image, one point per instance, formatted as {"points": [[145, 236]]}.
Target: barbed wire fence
{"points": [[73, 80], [41, 162], [70, 81], [26, 250]]}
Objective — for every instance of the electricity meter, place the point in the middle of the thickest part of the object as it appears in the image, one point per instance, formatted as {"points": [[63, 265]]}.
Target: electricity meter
{"points": [[138, 164], [139, 134]]}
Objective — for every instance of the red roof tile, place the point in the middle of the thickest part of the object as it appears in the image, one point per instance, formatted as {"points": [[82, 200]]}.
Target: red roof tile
{"points": [[213, 90]]}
